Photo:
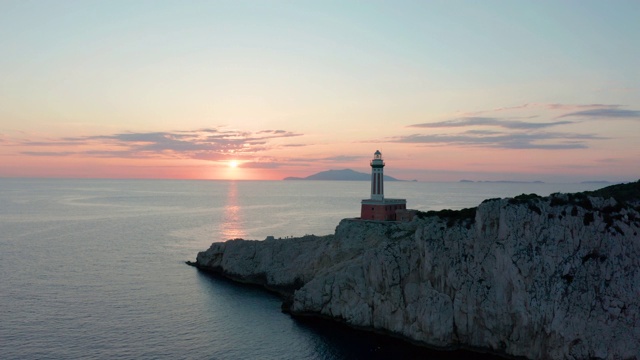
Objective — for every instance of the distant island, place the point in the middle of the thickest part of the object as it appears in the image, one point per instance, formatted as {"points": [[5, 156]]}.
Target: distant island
{"points": [[503, 181], [342, 175], [603, 182]]}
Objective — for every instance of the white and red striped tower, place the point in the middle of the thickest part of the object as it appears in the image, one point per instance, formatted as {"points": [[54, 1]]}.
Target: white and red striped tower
{"points": [[378, 208], [377, 177]]}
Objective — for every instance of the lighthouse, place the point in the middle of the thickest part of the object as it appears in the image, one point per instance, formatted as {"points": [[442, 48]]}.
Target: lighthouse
{"points": [[377, 207], [377, 176]]}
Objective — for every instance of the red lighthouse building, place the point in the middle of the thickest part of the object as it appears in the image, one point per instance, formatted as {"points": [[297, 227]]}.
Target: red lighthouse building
{"points": [[377, 207]]}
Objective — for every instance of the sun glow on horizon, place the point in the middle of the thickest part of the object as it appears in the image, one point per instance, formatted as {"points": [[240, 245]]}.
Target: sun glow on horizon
{"points": [[233, 164]]}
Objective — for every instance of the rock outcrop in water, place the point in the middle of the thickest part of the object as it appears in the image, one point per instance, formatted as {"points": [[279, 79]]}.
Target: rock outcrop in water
{"points": [[542, 278]]}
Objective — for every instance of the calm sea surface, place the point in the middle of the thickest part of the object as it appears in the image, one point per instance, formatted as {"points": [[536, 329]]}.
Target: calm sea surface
{"points": [[94, 269]]}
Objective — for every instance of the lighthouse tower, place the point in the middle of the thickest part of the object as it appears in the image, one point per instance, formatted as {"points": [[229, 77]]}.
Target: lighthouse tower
{"points": [[377, 207], [377, 177]]}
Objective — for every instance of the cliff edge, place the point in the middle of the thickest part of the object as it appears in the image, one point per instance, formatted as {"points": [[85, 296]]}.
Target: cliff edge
{"points": [[538, 277]]}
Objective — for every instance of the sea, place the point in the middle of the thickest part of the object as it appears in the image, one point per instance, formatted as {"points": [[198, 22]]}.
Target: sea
{"points": [[95, 269]]}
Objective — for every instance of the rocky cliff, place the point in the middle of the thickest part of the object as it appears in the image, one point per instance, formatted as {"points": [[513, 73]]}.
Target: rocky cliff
{"points": [[542, 278]]}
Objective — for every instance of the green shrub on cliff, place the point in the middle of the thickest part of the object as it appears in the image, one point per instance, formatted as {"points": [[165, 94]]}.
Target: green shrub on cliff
{"points": [[524, 198], [451, 216], [623, 193]]}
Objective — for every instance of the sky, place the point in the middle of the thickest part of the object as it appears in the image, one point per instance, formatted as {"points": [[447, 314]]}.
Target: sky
{"points": [[446, 90]]}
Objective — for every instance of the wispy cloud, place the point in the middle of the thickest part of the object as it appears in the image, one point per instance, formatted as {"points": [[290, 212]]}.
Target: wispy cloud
{"points": [[584, 110], [609, 160], [343, 158], [490, 121], [266, 164], [48, 153], [618, 89], [581, 106], [519, 127], [605, 113], [520, 140], [205, 144], [544, 106]]}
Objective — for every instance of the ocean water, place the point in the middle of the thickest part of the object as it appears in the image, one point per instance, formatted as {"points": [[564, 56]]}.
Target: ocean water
{"points": [[94, 269]]}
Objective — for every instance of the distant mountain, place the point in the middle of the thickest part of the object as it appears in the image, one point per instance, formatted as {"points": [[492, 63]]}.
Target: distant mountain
{"points": [[343, 175], [503, 181]]}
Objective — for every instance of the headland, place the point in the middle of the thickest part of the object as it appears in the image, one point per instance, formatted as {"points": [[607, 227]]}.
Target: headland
{"points": [[534, 277]]}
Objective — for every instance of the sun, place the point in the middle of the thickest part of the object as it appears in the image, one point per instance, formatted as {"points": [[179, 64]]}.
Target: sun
{"points": [[233, 164]]}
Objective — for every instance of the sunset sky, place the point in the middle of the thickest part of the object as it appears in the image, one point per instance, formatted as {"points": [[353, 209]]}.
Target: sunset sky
{"points": [[446, 90]]}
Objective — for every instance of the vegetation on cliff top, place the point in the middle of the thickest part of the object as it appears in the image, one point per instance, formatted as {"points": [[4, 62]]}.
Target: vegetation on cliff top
{"points": [[452, 216], [624, 194]]}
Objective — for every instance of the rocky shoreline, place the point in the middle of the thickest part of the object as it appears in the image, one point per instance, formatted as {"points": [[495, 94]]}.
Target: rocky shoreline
{"points": [[535, 277]]}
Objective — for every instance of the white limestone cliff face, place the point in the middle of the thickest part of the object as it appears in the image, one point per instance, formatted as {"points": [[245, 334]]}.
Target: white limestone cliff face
{"points": [[540, 279]]}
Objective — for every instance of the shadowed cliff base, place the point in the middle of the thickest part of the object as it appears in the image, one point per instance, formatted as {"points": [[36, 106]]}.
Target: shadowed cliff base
{"points": [[537, 277], [352, 342]]}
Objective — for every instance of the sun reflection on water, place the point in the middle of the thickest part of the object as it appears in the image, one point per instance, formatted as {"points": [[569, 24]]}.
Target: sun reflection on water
{"points": [[232, 219]]}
